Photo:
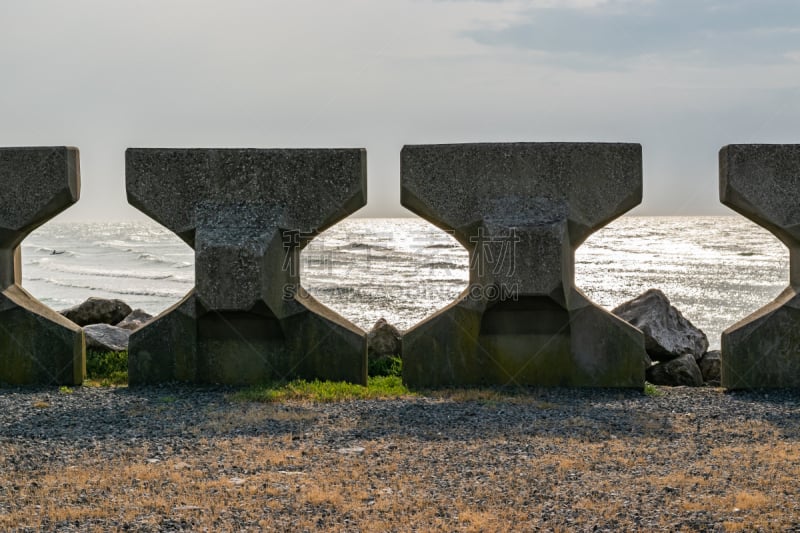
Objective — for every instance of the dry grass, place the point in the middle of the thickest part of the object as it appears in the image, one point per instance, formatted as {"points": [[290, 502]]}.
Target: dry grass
{"points": [[226, 420], [408, 483], [519, 395]]}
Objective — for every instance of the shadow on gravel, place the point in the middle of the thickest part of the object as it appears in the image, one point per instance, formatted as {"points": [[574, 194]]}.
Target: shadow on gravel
{"points": [[780, 407], [587, 415]]}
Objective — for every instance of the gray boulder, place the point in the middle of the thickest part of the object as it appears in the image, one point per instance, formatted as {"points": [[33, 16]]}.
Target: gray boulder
{"points": [[136, 319], [106, 338], [383, 340], [97, 311], [710, 366], [667, 334], [680, 371]]}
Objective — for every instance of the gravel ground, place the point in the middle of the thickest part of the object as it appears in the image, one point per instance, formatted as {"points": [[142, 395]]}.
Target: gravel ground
{"points": [[176, 458]]}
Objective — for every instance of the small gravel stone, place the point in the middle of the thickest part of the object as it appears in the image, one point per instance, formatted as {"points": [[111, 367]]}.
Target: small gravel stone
{"points": [[454, 446]]}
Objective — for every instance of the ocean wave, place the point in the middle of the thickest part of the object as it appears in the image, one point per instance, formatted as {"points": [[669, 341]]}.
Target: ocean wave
{"points": [[364, 246], [50, 251], [164, 293], [445, 265], [115, 244], [105, 273], [333, 290], [139, 251], [130, 291], [152, 258]]}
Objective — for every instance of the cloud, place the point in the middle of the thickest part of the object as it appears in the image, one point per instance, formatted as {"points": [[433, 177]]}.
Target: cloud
{"points": [[614, 32]]}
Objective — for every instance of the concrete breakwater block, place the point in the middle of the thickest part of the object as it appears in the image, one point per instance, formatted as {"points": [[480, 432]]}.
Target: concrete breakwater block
{"points": [[37, 345], [521, 210], [762, 182], [247, 213]]}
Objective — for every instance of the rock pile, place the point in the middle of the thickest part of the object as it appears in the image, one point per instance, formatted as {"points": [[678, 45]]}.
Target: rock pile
{"points": [[383, 340], [107, 324], [679, 349]]}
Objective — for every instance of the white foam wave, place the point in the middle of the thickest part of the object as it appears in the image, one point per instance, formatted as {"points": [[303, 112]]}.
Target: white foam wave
{"points": [[133, 291], [105, 273], [56, 252]]}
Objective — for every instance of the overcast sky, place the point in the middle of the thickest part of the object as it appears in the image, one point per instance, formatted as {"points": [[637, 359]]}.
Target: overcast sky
{"points": [[681, 77]]}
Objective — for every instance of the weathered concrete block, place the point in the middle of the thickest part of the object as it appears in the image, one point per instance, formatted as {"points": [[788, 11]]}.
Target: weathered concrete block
{"points": [[247, 214], [521, 209], [762, 182], [37, 345]]}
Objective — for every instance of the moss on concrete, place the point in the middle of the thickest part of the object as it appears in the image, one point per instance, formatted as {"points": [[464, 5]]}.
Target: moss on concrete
{"points": [[245, 348], [585, 347], [763, 350], [37, 348]]}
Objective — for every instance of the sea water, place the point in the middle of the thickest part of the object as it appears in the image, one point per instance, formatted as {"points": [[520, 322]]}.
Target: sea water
{"points": [[716, 270]]}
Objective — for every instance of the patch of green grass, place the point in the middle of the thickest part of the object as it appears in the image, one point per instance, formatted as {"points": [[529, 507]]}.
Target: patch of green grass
{"points": [[652, 390], [379, 387], [386, 366], [107, 368], [63, 389]]}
